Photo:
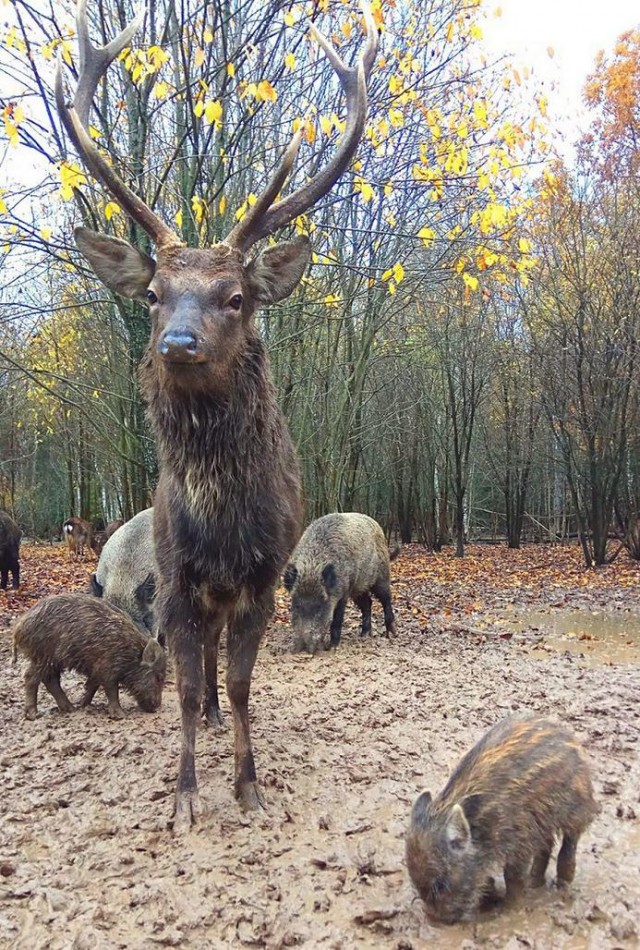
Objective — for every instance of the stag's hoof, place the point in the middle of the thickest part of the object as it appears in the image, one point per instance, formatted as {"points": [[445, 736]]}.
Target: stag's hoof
{"points": [[30, 713], [65, 708], [250, 797], [213, 717], [187, 811], [116, 712]]}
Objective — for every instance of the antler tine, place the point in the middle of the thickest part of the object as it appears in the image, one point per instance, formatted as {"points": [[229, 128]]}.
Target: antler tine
{"points": [[94, 62], [267, 217]]}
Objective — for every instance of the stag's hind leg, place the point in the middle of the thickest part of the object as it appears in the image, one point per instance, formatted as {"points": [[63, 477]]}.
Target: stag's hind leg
{"points": [[246, 626], [211, 706]]}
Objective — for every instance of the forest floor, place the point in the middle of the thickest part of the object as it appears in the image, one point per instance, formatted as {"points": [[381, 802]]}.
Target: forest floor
{"points": [[344, 742]]}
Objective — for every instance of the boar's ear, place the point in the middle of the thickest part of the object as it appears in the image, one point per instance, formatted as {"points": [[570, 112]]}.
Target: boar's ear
{"points": [[471, 806], [119, 266], [153, 656], [276, 272], [458, 831], [329, 578], [146, 591], [290, 576], [421, 808], [95, 587]]}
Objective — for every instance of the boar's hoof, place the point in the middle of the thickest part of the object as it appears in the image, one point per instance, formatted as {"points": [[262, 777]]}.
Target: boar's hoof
{"points": [[187, 811], [213, 717], [250, 797]]}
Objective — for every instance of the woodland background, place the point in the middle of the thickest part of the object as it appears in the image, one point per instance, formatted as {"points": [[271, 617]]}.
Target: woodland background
{"points": [[461, 358]]}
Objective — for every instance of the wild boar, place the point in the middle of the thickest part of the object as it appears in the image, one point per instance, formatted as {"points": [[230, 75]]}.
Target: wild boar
{"points": [[77, 632], [101, 536], [525, 782], [10, 535], [126, 572], [339, 556], [78, 534]]}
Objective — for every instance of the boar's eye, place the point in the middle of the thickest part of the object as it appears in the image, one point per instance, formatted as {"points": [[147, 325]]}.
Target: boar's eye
{"points": [[236, 302], [150, 297], [439, 885]]}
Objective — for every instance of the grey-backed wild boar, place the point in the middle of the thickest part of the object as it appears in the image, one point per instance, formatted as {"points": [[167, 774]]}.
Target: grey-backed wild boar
{"points": [[526, 782], [10, 535], [127, 569], [78, 632], [339, 556], [78, 535]]}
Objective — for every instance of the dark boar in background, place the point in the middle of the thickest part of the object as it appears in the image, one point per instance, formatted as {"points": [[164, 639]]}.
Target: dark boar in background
{"points": [[10, 535], [78, 632], [126, 572], [526, 782], [339, 556]]}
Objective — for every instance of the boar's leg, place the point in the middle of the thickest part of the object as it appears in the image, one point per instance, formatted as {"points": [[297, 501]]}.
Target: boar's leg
{"points": [[567, 859], [383, 593], [113, 701], [16, 576], [52, 683], [540, 862], [90, 689], [31, 684], [363, 602], [336, 623], [246, 626], [211, 705], [514, 879], [4, 579]]}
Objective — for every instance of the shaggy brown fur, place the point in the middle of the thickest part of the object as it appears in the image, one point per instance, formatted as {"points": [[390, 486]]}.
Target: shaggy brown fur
{"points": [[525, 782], [77, 632]]}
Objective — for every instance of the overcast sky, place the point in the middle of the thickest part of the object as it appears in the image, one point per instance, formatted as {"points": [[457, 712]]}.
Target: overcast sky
{"points": [[574, 29]]}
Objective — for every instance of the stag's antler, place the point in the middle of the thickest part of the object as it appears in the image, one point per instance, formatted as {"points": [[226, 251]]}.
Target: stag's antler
{"points": [[94, 62], [265, 217]]}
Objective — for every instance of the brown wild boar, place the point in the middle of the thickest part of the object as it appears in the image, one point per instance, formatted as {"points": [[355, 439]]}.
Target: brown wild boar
{"points": [[339, 556], [78, 535], [100, 538], [524, 783], [10, 535], [78, 632]]}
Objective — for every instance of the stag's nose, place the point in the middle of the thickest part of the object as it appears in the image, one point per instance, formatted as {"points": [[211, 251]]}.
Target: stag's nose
{"points": [[179, 345]]}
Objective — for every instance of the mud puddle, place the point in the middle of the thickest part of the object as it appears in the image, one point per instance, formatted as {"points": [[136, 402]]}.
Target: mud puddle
{"points": [[600, 637]]}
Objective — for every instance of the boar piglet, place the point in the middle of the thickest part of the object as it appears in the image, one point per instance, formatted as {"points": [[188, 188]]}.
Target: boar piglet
{"points": [[339, 556], [526, 782], [10, 535], [78, 632]]}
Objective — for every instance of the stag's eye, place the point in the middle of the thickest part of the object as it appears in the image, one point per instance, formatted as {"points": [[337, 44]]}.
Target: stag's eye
{"points": [[150, 297], [236, 302]]}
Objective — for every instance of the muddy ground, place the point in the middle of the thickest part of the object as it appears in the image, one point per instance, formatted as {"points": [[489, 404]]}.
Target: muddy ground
{"points": [[344, 741]]}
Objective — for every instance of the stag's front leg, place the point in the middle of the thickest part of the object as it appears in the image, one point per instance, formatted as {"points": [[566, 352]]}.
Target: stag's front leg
{"points": [[183, 625], [246, 626]]}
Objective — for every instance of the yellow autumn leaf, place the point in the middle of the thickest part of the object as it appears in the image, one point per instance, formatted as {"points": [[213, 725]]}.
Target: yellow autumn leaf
{"points": [[110, 209], [398, 272], [178, 217], [265, 91], [160, 90], [213, 112], [524, 245], [332, 300], [198, 109], [364, 188], [199, 56], [396, 118], [222, 205], [427, 236], [231, 70], [290, 61], [325, 124], [70, 177], [470, 281], [45, 233]]}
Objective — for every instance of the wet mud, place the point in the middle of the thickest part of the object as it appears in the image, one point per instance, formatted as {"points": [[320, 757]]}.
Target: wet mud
{"points": [[344, 741]]}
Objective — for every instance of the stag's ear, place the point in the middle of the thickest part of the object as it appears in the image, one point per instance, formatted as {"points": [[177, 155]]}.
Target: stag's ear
{"points": [[276, 272], [119, 266]]}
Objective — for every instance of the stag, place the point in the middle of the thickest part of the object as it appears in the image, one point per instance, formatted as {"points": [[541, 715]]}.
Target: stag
{"points": [[228, 503]]}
